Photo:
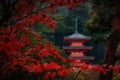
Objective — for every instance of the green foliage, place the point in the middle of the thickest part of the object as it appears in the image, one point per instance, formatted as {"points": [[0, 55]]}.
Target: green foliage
{"points": [[61, 26], [46, 33], [81, 12], [99, 25], [62, 29], [98, 31]]}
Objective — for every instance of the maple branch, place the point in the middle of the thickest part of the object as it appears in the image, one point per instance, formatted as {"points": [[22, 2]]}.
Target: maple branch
{"points": [[31, 13], [34, 12]]}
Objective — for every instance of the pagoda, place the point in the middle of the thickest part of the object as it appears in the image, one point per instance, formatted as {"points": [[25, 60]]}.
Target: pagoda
{"points": [[76, 47]]}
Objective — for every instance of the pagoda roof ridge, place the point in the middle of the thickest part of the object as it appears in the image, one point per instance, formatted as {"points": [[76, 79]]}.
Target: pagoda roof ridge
{"points": [[77, 35]]}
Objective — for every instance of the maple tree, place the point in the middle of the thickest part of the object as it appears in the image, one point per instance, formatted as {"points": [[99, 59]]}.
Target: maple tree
{"points": [[17, 51]]}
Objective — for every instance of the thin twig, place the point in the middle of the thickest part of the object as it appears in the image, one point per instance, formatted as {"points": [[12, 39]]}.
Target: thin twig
{"points": [[76, 75]]}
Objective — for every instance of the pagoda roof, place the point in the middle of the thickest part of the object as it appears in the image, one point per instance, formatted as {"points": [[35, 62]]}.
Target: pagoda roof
{"points": [[82, 57], [77, 36], [77, 48]]}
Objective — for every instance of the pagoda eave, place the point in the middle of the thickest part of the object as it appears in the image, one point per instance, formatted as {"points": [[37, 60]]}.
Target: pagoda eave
{"points": [[77, 39], [77, 48], [90, 58]]}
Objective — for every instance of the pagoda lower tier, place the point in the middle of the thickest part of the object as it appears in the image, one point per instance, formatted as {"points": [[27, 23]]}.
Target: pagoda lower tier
{"points": [[80, 59], [78, 53]]}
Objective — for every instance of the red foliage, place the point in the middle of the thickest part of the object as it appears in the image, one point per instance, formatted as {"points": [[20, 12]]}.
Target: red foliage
{"points": [[49, 75]]}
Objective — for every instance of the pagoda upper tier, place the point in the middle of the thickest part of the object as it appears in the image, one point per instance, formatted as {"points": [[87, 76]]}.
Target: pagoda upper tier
{"points": [[77, 37]]}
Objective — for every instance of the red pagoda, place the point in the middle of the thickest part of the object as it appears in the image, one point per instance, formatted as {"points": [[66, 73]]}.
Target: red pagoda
{"points": [[76, 47]]}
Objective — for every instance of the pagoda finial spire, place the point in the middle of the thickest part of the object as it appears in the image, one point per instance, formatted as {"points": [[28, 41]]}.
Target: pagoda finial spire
{"points": [[76, 25]]}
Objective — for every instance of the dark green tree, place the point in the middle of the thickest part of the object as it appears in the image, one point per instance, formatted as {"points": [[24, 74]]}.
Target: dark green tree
{"points": [[99, 24], [105, 22], [81, 12], [62, 29], [99, 27]]}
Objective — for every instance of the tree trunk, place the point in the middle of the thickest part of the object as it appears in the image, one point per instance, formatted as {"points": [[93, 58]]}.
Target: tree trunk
{"points": [[109, 59], [112, 42]]}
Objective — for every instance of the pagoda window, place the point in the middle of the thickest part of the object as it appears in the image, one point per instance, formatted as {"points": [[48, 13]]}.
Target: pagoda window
{"points": [[73, 54], [77, 44]]}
